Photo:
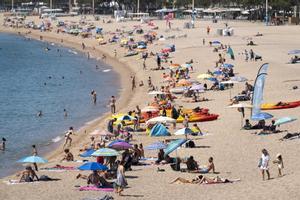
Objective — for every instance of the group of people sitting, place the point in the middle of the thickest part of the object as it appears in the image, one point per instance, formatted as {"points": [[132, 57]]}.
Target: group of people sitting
{"points": [[265, 129]]}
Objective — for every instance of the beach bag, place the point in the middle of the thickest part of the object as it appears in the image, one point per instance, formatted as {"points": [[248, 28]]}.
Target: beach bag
{"points": [[44, 178]]}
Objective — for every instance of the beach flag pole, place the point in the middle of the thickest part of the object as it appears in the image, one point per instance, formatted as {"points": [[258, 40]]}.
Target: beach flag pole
{"points": [[12, 5], [267, 17], [138, 6]]}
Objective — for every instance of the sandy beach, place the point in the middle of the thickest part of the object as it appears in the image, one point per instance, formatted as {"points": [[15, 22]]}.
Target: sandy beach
{"points": [[236, 152]]}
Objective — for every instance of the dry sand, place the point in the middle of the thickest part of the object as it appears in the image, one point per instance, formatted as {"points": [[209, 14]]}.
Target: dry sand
{"points": [[235, 152]]}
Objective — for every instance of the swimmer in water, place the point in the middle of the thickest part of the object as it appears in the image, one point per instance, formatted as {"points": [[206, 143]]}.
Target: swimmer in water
{"points": [[3, 146], [97, 67], [39, 114], [65, 113]]}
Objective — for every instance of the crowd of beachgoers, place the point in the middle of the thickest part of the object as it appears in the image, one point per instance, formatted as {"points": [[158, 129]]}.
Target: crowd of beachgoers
{"points": [[171, 108]]}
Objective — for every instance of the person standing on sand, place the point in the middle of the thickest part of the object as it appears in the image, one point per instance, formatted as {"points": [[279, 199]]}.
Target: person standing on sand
{"points": [[264, 164], [34, 153], [94, 96], [68, 138], [120, 182], [112, 103], [115, 53], [133, 85], [279, 162], [158, 61], [203, 41], [83, 46], [207, 30]]}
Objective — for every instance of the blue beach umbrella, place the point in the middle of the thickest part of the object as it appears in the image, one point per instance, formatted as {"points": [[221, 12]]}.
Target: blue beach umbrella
{"points": [[93, 166], [156, 146], [184, 131], [217, 72], [87, 153], [174, 145], [261, 116], [228, 65], [125, 117], [293, 52], [215, 43], [33, 159], [284, 120], [105, 152], [213, 79]]}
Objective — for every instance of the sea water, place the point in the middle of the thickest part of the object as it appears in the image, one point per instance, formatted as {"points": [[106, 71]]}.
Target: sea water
{"points": [[38, 76]]}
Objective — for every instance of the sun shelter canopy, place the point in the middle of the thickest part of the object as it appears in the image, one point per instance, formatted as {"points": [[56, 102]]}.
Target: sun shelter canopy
{"points": [[159, 130]]}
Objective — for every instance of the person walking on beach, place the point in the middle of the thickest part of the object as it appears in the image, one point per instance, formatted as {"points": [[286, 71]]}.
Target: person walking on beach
{"points": [[149, 82], [83, 46], [158, 61], [112, 103], [203, 41], [264, 164], [94, 96], [133, 84], [246, 55], [207, 30], [115, 53], [34, 153], [251, 55], [68, 138], [120, 182], [279, 162]]}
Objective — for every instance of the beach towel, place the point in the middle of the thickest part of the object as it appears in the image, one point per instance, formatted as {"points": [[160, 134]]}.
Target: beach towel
{"points": [[16, 182], [94, 188], [59, 168]]}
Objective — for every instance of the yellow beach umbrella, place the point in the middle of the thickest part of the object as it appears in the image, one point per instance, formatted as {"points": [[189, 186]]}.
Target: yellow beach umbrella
{"points": [[204, 76]]}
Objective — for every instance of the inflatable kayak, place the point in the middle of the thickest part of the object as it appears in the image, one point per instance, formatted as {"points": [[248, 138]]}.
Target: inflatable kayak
{"points": [[280, 105]]}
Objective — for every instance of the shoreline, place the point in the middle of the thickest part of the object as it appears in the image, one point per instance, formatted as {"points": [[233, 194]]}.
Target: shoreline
{"points": [[124, 93]]}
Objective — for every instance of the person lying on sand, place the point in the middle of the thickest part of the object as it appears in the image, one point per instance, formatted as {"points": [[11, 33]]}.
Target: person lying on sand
{"points": [[210, 167], [28, 175], [204, 180]]}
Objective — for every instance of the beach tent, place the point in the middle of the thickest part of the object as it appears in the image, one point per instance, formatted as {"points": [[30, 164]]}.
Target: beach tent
{"points": [[159, 130]]}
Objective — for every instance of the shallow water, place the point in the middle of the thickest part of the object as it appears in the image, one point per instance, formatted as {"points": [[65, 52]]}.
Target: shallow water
{"points": [[33, 79]]}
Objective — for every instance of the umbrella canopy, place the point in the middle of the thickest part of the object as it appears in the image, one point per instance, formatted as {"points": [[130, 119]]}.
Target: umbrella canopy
{"points": [[150, 109], [121, 146], [197, 87], [156, 92], [156, 146], [261, 116], [293, 52], [186, 65], [204, 76], [106, 152], [213, 79], [227, 65], [229, 82], [216, 43], [217, 72], [239, 79], [241, 105], [161, 119], [284, 120], [33, 159], [174, 145], [93, 166], [87, 153], [184, 131], [126, 117]]}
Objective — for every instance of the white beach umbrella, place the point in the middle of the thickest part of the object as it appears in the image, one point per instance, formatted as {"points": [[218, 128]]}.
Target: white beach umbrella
{"points": [[161, 119], [156, 92]]}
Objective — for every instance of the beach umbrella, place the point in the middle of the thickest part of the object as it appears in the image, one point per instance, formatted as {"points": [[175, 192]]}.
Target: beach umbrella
{"points": [[106, 152], [218, 72], [186, 65], [213, 79], [87, 153], [216, 43], [121, 145], [197, 87], [229, 82], [93, 166], [156, 92], [204, 76], [150, 109], [33, 159], [156, 146], [261, 116], [184, 131], [161, 119], [174, 145], [239, 79], [227, 65], [126, 117], [115, 141], [284, 120], [294, 52]]}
